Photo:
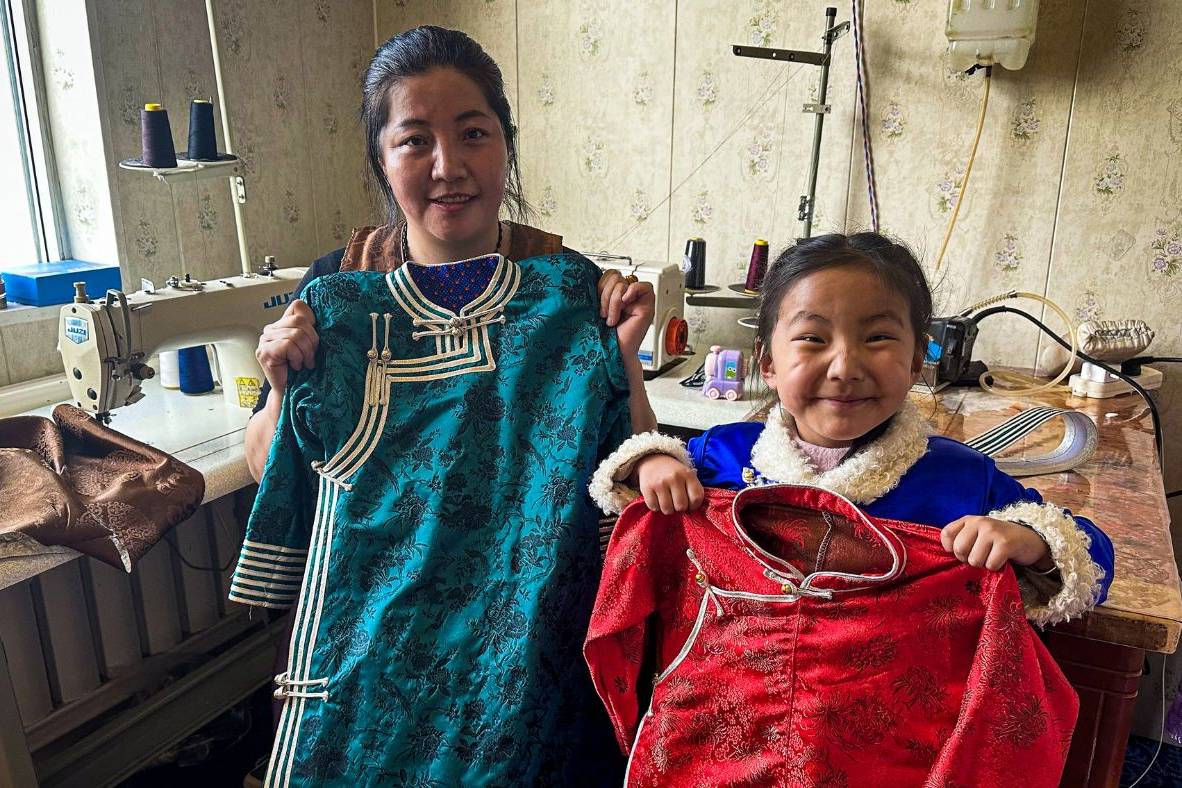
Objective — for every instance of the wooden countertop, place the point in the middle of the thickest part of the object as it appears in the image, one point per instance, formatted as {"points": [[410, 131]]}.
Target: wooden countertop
{"points": [[1120, 489]]}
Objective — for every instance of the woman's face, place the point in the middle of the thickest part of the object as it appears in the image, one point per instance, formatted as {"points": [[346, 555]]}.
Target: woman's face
{"points": [[445, 157]]}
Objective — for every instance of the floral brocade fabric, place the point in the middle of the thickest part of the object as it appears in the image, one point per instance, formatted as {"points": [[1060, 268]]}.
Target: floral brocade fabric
{"points": [[799, 642], [423, 507], [72, 482]]}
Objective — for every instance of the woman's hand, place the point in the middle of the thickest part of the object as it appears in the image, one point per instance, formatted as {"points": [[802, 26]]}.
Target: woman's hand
{"points": [[668, 485], [288, 342], [628, 306], [984, 541]]}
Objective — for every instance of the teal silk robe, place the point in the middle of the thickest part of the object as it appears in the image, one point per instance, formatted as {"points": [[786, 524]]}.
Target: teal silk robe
{"points": [[424, 502]]}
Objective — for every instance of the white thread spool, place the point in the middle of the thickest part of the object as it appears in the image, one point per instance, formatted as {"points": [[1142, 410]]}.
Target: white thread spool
{"points": [[170, 370]]}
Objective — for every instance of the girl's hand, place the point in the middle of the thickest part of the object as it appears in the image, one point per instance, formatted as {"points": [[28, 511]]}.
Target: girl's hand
{"points": [[984, 541], [668, 485], [628, 306], [288, 342]]}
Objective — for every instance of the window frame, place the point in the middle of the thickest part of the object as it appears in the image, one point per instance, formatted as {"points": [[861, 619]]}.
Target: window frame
{"points": [[22, 49]]}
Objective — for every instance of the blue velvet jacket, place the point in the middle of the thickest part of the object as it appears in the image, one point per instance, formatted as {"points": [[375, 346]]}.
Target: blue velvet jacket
{"points": [[935, 485]]}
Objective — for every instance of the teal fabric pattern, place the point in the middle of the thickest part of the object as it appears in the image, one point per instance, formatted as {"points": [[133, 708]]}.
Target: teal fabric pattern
{"points": [[425, 503]]}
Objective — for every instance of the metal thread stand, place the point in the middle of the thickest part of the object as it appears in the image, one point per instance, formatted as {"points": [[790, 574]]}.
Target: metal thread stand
{"points": [[229, 167], [820, 109]]}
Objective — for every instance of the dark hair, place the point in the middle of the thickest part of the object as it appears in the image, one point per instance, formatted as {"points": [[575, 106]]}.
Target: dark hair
{"points": [[417, 51], [890, 260]]}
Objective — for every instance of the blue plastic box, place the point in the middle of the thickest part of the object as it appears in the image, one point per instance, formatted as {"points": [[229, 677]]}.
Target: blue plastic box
{"points": [[46, 284]]}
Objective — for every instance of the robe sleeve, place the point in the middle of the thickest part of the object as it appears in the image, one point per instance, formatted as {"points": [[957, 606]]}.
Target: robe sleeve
{"points": [[1018, 710], [627, 597], [1082, 553], [271, 565], [616, 426], [609, 488]]}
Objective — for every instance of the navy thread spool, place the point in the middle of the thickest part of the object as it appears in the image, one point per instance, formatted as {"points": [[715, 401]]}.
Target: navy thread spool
{"points": [[156, 137], [695, 263], [758, 266], [196, 377], [203, 143]]}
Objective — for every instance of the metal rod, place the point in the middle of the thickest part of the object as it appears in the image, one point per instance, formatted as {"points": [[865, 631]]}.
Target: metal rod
{"points": [[16, 765], [243, 255], [96, 632], [137, 606], [42, 618], [818, 126], [783, 55], [219, 592], [178, 584]]}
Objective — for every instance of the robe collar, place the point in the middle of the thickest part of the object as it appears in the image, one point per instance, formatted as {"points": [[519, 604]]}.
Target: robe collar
{"points": [[866, 476]]}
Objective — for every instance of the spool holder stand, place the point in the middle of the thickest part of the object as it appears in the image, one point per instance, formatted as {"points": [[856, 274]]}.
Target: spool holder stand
{"points": [[819, 109], [230, 167]]}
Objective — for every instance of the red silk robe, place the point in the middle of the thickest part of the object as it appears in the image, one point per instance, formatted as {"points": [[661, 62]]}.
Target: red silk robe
{"points": [[799, 642]]}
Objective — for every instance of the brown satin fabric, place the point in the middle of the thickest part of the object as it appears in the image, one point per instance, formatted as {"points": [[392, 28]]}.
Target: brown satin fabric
{"points": [[380, 248], [75, 482]]}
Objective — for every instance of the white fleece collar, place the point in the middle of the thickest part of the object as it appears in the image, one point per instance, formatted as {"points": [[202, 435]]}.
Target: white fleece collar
{"points": [[865, 477]]}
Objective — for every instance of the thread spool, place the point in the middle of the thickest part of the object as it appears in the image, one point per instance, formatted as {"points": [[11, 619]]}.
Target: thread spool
{"points": [[694, 263], [758, 266], [195, 374], [156, 137], [203, 143], [170, 371]]}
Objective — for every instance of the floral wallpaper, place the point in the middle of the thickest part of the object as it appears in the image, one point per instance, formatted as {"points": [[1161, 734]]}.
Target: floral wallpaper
{"points": [[292, 73], [640, 129]]}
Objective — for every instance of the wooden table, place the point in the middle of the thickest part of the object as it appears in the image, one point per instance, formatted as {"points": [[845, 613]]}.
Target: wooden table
{"points": [[1120, 489]]}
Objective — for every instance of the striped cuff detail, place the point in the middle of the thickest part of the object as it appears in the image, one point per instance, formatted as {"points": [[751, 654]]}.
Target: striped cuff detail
{"points": [[268, 575], [606, 526]]}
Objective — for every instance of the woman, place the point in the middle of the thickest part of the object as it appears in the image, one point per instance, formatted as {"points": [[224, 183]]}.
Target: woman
{"points": [[486, 176], [446, 570]]}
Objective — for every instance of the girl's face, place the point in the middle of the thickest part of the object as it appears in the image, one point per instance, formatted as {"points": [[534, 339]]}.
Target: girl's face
{"points": [[843, 354], [445, 157]]}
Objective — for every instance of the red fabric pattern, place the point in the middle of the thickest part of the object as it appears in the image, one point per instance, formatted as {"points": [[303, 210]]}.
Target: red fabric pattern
{"points": [[917, 670]]}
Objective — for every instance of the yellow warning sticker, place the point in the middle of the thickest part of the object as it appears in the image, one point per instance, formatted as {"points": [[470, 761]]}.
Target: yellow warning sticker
{"points": [[248, 391]]}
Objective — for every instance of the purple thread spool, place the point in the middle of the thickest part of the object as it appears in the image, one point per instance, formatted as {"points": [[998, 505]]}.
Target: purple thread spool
{"points": [[156, 137], [758, 266], [203, 144]]}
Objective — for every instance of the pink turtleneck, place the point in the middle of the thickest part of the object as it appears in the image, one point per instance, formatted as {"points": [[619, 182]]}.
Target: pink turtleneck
{"points": [[823, 458]]}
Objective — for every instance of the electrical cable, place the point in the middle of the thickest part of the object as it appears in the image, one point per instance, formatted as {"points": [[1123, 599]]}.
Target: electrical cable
{"points": [[781, 80], [695, 380], [964, 186], [1032, 385], [1154, 360], [863, 86], [1158, 440], [196, 568], [1162, 734]]}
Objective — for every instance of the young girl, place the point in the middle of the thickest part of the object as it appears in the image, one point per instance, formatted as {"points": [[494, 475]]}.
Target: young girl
{"points": [[839, 342]]}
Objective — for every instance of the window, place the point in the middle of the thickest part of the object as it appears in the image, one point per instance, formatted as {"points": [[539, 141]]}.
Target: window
{"points": [[30, 230]]}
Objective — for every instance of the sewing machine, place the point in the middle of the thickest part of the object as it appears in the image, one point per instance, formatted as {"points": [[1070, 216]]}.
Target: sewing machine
{"points": [[105, 345], [665, 341]]}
